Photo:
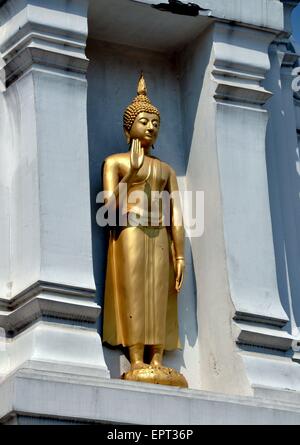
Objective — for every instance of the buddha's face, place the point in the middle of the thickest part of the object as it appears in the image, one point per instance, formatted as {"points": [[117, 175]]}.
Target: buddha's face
{"points": [[145, 128]]}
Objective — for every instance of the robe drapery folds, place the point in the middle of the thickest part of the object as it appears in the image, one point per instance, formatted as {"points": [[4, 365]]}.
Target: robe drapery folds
{"points": [[140, 298]]}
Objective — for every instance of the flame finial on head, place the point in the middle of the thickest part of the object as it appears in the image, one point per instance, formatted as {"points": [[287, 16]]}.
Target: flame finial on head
{"points": [[141, 103], [142, 88]]}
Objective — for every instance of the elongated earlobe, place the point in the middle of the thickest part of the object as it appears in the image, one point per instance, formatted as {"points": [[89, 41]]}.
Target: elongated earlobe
{"points": [[127, 135]]}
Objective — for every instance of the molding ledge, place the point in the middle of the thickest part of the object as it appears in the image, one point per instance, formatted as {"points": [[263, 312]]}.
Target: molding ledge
{"points": [[41, 287], [32, 38], [52, 395], [48, 300], [260, 319], [35, 50], [239, 70], [251, 334], [240, 86]]}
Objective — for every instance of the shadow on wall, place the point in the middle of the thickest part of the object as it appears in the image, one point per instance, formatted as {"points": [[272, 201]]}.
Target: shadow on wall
{"points": [[296, 23]]}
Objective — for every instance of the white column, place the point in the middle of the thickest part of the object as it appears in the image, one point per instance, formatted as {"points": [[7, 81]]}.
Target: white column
{"points": [[284, 174], [239, 307], [47, 288]]}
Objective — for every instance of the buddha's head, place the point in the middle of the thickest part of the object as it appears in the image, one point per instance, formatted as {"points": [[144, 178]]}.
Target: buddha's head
{"points": [[141, 119]]}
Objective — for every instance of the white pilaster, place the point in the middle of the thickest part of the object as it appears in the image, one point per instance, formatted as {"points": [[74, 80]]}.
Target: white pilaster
{"points": [[238, 299], [283, 151], [47, 289]]}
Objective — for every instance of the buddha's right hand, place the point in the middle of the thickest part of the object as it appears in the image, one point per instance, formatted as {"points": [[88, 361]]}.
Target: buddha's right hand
{"points": [[136, 156]]}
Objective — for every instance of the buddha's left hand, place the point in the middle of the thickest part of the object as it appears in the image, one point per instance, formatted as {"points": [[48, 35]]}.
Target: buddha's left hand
{"points": [[180, 266]]}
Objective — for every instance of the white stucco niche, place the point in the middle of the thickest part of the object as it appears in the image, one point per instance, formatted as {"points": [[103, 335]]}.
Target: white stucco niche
{"points": [[123, 41], [205, 74]]}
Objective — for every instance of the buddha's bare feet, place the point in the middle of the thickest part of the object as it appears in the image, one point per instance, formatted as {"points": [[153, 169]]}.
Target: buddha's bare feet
{"points": [[157, 356], [156, 363], [138, 365]]}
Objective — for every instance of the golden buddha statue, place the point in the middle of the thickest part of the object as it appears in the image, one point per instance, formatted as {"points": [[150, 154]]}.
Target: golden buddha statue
{"points": [[145, 264]]}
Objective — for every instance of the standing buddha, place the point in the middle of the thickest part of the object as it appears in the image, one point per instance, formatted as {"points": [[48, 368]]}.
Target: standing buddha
{"points": [[145, 264]]}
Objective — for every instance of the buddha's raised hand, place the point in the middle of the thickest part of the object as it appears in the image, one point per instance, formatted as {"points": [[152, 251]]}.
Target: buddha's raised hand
{"points": [[136, 156]]}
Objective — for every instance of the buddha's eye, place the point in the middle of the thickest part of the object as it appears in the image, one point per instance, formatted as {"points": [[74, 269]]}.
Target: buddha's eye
{"points": [[143, 121], [155, 124]]}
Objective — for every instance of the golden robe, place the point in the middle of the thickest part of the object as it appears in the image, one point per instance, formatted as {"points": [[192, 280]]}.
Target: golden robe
{"points": [[140, 297]]}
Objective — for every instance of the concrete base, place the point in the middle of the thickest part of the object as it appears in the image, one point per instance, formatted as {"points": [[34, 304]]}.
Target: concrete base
{"points": [[30, 396]]}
